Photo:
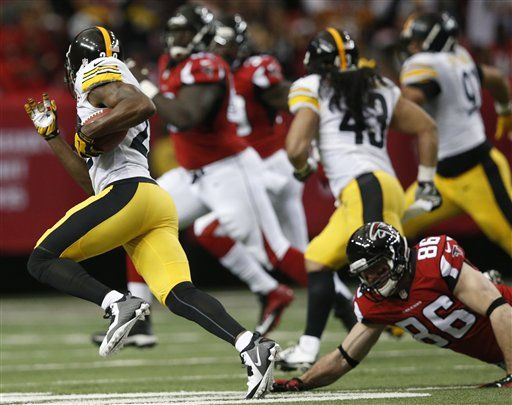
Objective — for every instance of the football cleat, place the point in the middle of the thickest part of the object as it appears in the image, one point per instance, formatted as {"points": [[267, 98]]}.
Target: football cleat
{"points": [[141, 335], [123, 315], [273, 306], [259, 357], [295, 358]]}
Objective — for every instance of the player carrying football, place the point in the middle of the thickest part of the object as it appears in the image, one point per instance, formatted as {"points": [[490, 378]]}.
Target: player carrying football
{"points": [[431, 290], [348, 109], [127, 209], [472, 176]]}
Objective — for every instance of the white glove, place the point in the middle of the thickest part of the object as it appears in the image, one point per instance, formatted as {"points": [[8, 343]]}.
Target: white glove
{"points": [[43, 116]]}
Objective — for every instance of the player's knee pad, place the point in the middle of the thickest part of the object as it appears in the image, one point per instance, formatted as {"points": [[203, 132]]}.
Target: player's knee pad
{"points": [[39, 262]]}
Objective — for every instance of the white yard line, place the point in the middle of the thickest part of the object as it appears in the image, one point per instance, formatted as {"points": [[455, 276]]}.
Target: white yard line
{"points": [[196, 397]]}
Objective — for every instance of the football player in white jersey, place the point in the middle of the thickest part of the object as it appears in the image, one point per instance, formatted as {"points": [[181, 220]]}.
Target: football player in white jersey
{"points": [[348, 108], [472, 176], [127, 209]]}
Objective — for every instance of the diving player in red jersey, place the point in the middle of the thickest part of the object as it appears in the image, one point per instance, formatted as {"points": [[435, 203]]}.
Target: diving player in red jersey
{"points": [[431, 291]]}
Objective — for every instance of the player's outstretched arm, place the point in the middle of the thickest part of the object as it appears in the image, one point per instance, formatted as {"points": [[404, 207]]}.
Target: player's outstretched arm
{"points": [[480, 295], [332, 366], [44, 117], [497, 84], [303, 129], [129, 107]]}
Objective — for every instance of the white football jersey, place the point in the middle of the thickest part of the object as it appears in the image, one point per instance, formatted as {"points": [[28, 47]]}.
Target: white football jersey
{"points": [[456, 109], [345, 151], [129, 158]]}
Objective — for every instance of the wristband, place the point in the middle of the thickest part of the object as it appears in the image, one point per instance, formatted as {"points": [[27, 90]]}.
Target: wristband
{"points": [[426, 173], [498, 302], [503, 108], [352, 362], [149, 89]]}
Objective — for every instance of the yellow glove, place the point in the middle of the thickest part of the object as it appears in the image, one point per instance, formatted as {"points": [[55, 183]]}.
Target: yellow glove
{"points": [[43, 116], [85, 145], [504, 126]]}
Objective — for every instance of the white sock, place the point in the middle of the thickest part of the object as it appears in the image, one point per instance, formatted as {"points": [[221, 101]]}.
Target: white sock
{"points": [[110, 298], [309, 344], [141, 290], [240, 263], [243, 341]]}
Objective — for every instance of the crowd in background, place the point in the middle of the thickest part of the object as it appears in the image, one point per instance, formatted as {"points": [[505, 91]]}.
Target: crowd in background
{"points": [[35, 33]]}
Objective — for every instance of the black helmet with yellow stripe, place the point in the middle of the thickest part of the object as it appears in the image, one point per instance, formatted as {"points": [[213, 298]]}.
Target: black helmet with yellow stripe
{"points": [[90, 44], [331, 48]]}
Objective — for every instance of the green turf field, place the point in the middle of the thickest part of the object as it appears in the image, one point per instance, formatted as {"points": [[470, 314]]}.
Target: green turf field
{"points": [[46, 358]]}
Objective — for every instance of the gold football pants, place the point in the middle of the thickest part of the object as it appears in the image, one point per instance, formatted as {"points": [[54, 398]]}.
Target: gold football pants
{"points": [[141, 217], [376, 196], [484, 192]]}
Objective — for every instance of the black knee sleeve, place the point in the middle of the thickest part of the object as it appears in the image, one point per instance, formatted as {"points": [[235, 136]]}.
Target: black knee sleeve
{"points": [[195, 305], [320, 300]]}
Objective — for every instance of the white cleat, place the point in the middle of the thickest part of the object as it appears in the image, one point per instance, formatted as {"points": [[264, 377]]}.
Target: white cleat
{"points": [[295, 358], [123, 315]]}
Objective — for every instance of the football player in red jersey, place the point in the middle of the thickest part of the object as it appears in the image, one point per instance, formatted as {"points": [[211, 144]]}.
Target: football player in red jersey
{"points": [[431, 291], [219, 175]]}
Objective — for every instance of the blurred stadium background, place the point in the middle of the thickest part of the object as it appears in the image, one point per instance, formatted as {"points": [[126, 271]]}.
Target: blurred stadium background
{"points": [[35, 191]]}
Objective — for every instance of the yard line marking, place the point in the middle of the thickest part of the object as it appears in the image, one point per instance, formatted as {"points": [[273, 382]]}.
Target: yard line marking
{"points": [[200, 397]]}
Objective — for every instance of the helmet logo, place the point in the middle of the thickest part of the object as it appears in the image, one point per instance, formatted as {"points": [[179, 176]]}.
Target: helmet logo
{"points": [[377, 231], [179, 20]]}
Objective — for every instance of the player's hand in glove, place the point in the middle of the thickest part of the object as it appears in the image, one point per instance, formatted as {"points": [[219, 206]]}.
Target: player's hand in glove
{"points": [[284, 385], [428, 195], [505, 382], [307, 170], [84, 145], [44, 116]]}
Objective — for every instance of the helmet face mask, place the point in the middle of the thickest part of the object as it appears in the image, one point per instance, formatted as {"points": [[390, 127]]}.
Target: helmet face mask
{"points": [[379, 256], [231, 40], [189, 30]]}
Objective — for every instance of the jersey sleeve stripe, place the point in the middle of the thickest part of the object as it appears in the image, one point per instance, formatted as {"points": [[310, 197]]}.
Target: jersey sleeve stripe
{"points": [[101, 78], [303, 101], [423, 73], [98, 69]]}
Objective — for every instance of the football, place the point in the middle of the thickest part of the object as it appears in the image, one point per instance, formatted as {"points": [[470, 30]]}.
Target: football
{"points": [[107, 142]]}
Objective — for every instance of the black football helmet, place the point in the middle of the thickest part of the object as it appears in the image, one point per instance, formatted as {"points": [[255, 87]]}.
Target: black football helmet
{"points": [[329, 48], [231, 38], [379, 256], [90, 44], [189, 30], [435, 32]]}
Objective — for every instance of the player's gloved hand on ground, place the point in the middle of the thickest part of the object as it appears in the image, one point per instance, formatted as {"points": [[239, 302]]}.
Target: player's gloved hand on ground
{"points": [[44, 116], [428, 195], [284, 385], [309, 168], [84, 145], [505, 382]]}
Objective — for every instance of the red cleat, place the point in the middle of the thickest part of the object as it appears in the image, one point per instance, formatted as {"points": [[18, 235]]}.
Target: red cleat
{"points": [[273, 306]]}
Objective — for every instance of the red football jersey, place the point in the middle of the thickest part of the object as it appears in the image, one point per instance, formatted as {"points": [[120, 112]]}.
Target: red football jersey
{"points": [[216, 137], [257, 123], [432, 313]]}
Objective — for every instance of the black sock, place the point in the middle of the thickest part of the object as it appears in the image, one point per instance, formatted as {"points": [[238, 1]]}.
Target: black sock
{"points": [[65, 275], [195, 305], [343, 310], [320, 300]]}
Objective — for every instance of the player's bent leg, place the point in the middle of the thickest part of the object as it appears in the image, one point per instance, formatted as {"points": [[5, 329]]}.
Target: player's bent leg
{"points": [[488, 198]]}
